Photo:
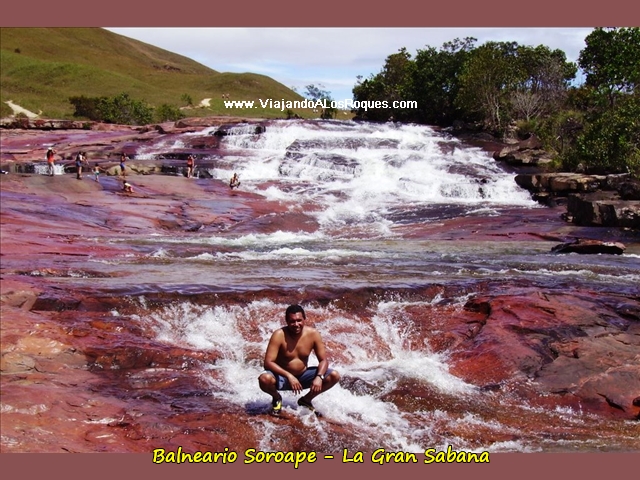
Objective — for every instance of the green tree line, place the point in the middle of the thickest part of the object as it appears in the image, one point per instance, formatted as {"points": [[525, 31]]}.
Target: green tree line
{"points": [[122, 109], [500, 87]]}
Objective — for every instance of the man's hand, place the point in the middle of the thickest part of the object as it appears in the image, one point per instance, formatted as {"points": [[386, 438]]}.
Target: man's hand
{"points": [[296, 386], [316, 385]]}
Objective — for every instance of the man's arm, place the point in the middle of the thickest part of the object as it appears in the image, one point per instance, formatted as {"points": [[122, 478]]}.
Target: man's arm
{"points": [[323, 362], [271, 355]]}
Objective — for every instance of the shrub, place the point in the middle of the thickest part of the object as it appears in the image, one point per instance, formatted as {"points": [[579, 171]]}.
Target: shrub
{"points": [[119, 109], [86, 107], [166, 112], [611, 140]]}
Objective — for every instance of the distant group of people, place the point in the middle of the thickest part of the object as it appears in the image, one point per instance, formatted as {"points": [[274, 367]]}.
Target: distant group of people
{"points": [[234, 182], [81, 161]]}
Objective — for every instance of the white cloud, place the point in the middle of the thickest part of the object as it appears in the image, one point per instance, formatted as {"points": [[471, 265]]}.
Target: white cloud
{"points": [[333, 57]]}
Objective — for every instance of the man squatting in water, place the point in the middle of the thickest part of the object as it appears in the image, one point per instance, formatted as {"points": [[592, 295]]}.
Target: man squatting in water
{"points": [[286, 358]]}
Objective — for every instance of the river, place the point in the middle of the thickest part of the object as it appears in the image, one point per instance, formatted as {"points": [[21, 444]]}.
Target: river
{"points": [[365, 238]]}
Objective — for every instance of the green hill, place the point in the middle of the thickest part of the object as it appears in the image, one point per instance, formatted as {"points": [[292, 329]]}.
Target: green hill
{"points": [[40, 68]]}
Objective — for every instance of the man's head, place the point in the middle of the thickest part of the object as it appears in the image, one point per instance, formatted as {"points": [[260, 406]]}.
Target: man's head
{"points": [[295, 317]]}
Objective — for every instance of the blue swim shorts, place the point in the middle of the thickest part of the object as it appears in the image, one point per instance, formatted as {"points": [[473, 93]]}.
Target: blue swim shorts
{"points": [[305, 379]]}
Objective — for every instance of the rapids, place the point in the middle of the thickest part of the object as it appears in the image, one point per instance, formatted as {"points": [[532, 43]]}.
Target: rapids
{"points": [[382, 232]]}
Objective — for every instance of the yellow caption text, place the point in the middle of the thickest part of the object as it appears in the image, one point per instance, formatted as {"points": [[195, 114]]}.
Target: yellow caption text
{"points": [[379, 456]]}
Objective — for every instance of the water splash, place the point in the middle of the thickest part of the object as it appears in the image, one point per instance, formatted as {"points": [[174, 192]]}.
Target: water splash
{"points": [[239, 334], [43, 169]]}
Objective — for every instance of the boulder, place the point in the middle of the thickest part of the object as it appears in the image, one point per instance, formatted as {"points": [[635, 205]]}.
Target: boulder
{"points": [[524, 157], [590, 247], [558, 183], [525, 152], [603, 209], [580, 350], [239, 129], [532, 141]]}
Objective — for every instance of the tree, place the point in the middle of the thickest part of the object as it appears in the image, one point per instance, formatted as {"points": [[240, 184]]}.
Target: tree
{"points": [[86, 107], [611, 61], [370, 90], [610, 142], [318, 94], [489, 76], [544, 81], [125, 110], [166, 112], [119, 109], [435, 81], [503, 81], [392, 83], [610, 100]]}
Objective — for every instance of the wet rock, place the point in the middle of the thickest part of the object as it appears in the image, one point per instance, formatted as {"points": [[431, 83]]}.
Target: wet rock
{"points": [[239, 129], [525, 157], [590, 247], [55, 303], [524, 152], [567, 347], [603, 209], [560, 183], [629, 190], [15, 362]]}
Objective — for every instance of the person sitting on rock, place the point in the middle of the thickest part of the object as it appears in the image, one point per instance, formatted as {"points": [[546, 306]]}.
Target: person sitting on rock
{"points": [[234, 182], [126, 187], [286, 358]]}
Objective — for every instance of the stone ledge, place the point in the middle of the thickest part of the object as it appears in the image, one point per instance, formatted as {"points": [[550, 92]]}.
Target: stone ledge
{"points": [[603, 209]]}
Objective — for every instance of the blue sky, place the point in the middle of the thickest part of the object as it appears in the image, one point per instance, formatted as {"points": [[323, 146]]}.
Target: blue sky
{"points": [[331, 57]]}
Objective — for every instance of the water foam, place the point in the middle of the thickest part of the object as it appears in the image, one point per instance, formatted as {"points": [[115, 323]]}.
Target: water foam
{"points": [[239, 334]]}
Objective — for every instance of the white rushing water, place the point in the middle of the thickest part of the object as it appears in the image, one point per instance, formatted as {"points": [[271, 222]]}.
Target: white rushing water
{"points": [[240, 334], [43, 169], [361, 174]]}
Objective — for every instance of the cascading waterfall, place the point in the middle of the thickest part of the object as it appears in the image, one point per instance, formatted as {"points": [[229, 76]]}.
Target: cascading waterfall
{"points": [[362, 174]]}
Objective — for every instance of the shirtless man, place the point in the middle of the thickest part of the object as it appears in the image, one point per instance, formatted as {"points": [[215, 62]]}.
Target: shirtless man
{"points": [[234, 182], [286, 359]]}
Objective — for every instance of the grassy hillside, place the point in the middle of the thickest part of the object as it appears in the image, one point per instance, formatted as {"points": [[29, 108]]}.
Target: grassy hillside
{"points": [[40, 68]]}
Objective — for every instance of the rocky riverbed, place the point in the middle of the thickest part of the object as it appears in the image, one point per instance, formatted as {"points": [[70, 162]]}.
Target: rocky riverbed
{"points": [[82, 373]]}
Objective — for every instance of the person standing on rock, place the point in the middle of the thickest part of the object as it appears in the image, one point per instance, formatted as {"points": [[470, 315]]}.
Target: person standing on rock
{"points": [[80, 160], [190, 166], [96, 173], [123, 160], [285, 362], [51, 161]]}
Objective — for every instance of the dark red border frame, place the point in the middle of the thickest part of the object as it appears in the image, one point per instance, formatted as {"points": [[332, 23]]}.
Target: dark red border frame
{"points": [[335, 13]]}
